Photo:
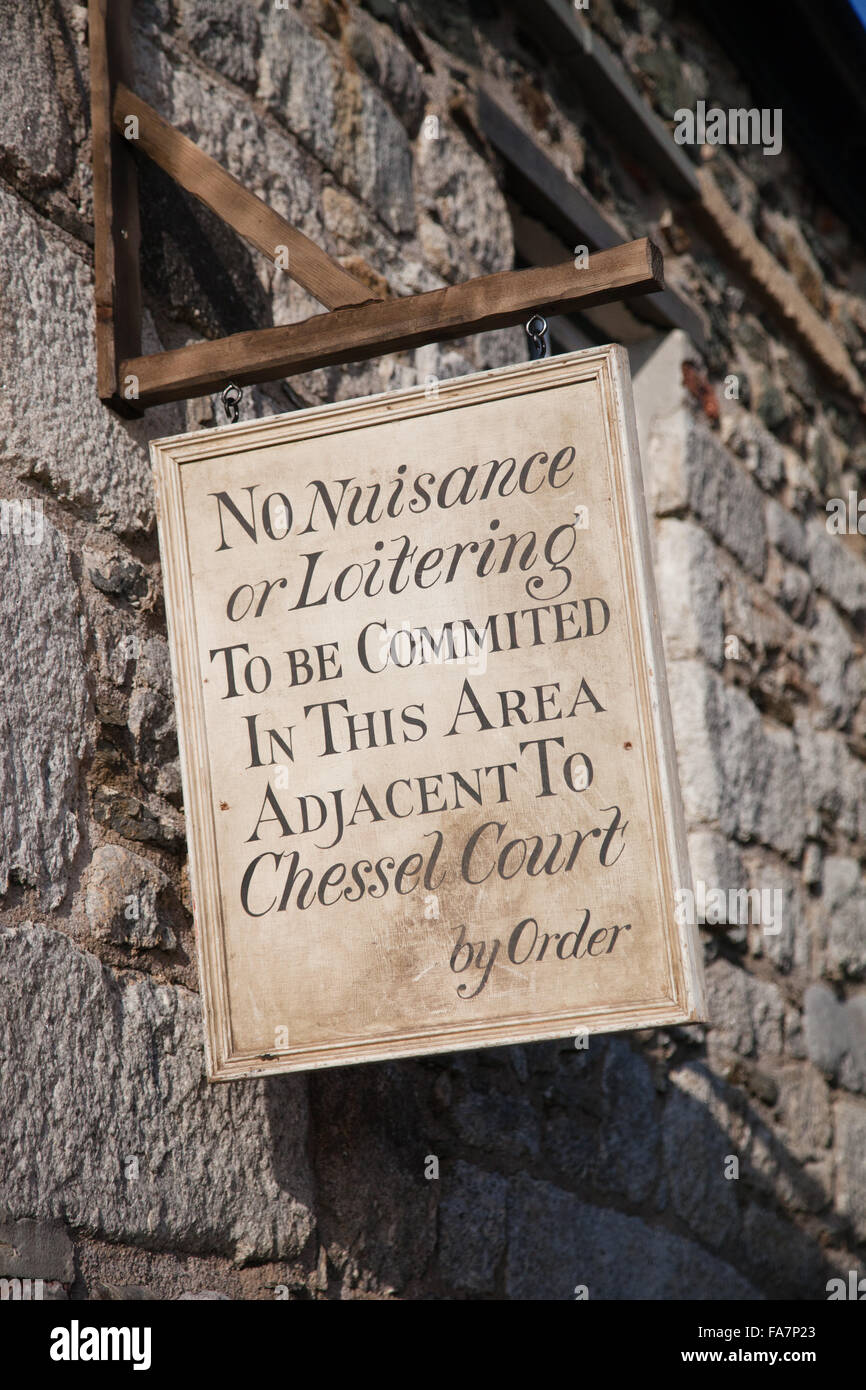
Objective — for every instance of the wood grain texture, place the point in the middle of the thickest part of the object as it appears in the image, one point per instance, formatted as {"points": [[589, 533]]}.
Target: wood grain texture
{"points": [[117, 286], [370, 981], [202, 176], [371, 330]]}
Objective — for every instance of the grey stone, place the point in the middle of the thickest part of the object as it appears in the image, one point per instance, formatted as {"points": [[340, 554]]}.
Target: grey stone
{"points": [[773, 405], [502, 347], [228, 128], [837, 570], [795, 1034], [151, 822], [294, 64], [762, 795], [834, 783], [44, 711], [670, 83], [121, 1293], [755, 1080], [357, 232], [498, 1121], [792, 587], [780, 929], [151, 17], [118, 575], [118, 648], [812, 860], [35, 142], [836, 1036], [786, 532], [754, 339], [204, 1296], [224, 35], [440, 360], [725, 499], [832, 668], [199, 271], [571, 1141], [36, 1250], [662, 415], [821, 453], [122, 892], [696, 1143], [715, 861], [753, 628], [768, 1165], [688, 584], [628, 1157], [152, 722], [733, 769], [571, 1146], [745, 1013], [557, 1243], [760, 451], [851, 1164], [373, 1198], [388, 63], [347, 126], [53, 427], [375, 157], [454, 180], [691, 693], [784, 1260], [97, 1073], [471, 1227], [804, 1110], [758, 771], [845, 905]]}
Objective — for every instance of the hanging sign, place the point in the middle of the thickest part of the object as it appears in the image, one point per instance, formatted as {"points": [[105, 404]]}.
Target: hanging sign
{"points": [[429, 778]]}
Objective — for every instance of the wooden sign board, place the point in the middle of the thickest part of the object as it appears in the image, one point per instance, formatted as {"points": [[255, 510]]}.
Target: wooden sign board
{"points": [[429, 777]]}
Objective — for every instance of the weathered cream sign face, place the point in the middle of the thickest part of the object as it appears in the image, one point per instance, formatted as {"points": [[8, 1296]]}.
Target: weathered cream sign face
{"points": [[429, 781]]}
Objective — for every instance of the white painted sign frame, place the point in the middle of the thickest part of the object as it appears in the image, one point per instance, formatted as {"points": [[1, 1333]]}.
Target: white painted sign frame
{"points": [[603, 370]]}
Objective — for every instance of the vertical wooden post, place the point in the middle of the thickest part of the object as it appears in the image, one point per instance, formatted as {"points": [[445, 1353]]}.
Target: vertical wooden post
{"points": [[117, 284]]}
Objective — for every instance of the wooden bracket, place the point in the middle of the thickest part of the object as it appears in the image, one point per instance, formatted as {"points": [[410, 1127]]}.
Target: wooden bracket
{"points": [[358, 324], [116, 235]]}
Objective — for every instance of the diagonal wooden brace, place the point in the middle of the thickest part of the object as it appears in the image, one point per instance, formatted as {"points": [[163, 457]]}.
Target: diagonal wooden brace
{"points": [[306, 263]]}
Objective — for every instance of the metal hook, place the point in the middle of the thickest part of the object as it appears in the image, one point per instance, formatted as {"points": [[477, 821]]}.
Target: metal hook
{"points": [[539, 338], [231, 398]]}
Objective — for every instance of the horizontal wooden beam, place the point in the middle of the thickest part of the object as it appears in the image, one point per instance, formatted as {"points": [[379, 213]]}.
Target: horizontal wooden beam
{"points": [[355, 334], [305, 262]]}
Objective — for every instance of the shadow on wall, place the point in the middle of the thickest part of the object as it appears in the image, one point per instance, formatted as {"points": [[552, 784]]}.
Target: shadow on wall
{"points": [[559, 1170], [195, 265]]}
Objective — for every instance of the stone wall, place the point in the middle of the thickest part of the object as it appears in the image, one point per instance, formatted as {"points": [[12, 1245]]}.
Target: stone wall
{"points": [[122, 1173]]}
